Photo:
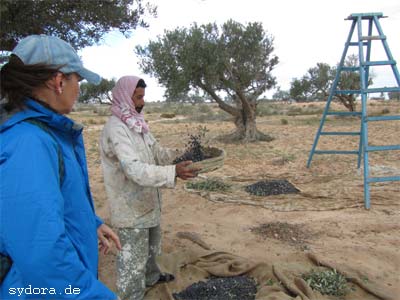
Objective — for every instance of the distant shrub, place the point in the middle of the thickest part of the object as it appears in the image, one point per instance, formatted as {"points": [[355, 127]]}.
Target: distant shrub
{"points": [[284, 122], [265, 110], [82, 107], [91, 122], [205, 109], [167, 115], [102, 111], [295, 111], [185, 110]]}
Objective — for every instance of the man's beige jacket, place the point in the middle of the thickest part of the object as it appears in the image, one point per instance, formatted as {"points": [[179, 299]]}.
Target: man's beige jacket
{"points": [[135, 167]]}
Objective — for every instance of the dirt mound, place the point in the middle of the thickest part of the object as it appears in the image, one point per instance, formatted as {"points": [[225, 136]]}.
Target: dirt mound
{"points": [[284, 232]]}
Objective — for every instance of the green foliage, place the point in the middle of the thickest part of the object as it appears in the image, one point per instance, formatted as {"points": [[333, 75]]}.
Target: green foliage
{"points": [[281, 95], [385, 111], [299, 89], [329, 282], [167, 115], [269, 282], [234, 60], [314, 85], [81, 23], [350, 81], [284, 121], [96, 93], [317, 83], [202, 57], [210, 184], [394, 95]]}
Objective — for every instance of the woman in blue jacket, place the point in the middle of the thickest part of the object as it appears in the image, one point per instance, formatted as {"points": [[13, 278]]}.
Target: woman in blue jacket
{"points": [[48, 227]]}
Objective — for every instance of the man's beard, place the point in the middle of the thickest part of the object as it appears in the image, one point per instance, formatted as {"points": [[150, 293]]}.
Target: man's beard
{"points": [[138, 109]]}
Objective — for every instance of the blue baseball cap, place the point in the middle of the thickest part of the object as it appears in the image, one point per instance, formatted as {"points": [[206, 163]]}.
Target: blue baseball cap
{"points": [[51, 50]]}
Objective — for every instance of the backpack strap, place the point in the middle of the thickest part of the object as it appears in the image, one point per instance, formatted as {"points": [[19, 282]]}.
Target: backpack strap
{"points": [[44, 127]]}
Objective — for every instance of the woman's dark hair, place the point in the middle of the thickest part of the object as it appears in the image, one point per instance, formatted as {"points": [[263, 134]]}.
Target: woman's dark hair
{"points": [[141, 84], [18, 80]]}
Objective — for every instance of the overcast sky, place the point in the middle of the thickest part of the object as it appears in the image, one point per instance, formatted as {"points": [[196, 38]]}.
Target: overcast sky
{"points": [[305, 32]]}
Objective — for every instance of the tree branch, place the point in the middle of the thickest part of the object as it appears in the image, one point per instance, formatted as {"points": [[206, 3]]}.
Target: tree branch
{"points": [[226, 107]]}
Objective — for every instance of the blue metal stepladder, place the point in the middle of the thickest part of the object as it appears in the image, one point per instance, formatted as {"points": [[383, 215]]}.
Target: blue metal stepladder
{"points": [[364, 71]]}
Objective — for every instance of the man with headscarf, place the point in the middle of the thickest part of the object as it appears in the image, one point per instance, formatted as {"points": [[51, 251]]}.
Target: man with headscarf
{"points": [[135, 166]]}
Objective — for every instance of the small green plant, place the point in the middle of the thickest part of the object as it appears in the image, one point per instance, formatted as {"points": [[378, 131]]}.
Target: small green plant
{"points": [[270, 282], [284, 122], [91, 122], [364, 278], [328, 282], [211, 185]]}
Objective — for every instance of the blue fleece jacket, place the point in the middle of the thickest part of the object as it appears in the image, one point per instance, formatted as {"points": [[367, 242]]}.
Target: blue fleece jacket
{"points": [[47, 227]]}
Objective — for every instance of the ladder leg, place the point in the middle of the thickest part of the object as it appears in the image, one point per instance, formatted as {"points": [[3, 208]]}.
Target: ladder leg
{"points": [[364, 128], [366, 70], [364, 137], [387, 50], [331, 93], [360, 146], [321, 125]]}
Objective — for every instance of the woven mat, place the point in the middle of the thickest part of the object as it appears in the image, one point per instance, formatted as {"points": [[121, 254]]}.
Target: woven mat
{"points": [[317, 193], [275, 281]]}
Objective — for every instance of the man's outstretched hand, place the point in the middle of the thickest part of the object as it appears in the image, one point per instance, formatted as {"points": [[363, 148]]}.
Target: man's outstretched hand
{"points": [[183, 172]]}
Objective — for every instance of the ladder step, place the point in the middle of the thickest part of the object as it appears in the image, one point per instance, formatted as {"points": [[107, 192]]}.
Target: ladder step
{"points": [[339, 133], [383, 179], [383, 90], [382, 148], [344, 113], [334, 152], [379, 63], [356, 44], [369, 91], [365, 16], [383, 118], [350, 69], [373, 37], [341, 92]]}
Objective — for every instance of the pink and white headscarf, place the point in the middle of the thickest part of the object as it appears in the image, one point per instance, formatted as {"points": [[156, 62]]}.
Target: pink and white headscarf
{"points": [[123, 106]]}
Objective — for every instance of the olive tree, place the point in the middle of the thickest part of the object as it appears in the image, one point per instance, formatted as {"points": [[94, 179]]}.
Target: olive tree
{"points": [[81, 23], [233, 61], [350, 80], [314, 85], [97, 93], [317, 83]]}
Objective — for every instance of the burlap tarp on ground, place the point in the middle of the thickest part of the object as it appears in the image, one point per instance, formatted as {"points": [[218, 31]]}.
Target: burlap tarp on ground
{"points": [[275, 281], [317, 192]]}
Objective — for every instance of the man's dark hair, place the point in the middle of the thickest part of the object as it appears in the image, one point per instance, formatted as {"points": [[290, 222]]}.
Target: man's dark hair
{"points": [[141, 84], [18, 81]]}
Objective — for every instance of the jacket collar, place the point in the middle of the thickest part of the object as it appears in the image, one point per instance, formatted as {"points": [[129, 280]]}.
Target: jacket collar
{"points": [[35, 110]]}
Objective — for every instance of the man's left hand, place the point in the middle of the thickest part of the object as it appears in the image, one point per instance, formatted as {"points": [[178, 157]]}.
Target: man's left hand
{"points": [[106, 235]]}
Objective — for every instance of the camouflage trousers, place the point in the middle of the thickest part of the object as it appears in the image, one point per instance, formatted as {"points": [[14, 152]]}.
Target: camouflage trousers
{"points": [[136, 262]]}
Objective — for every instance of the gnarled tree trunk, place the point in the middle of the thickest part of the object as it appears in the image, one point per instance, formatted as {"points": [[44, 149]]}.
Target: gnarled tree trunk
{"points": [[244, 115], [246, 129]]}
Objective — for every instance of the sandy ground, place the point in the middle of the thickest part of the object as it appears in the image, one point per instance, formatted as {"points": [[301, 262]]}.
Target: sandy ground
{"points": [[368, 240]]}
